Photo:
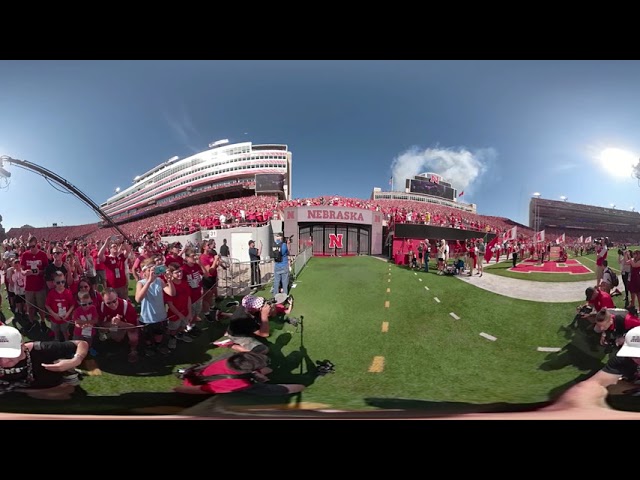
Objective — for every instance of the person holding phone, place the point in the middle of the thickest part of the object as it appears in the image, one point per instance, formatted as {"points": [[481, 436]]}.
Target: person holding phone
{"points": [[153, 313]]}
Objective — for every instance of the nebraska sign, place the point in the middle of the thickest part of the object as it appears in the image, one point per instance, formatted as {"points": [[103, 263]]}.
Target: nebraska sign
{"points": [[337, 214], [335, 240]]}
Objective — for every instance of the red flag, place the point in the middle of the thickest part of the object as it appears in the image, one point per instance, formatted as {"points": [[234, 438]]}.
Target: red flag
{"points": [[488, 253], [461, 193]]}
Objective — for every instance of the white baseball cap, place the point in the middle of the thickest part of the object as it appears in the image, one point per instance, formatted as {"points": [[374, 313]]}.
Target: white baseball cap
{"points": [[631, 347], [10, 342]]}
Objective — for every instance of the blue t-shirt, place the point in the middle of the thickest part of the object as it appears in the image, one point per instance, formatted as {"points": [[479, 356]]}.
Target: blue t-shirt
{"points": [[152, 309], [285, 256]]}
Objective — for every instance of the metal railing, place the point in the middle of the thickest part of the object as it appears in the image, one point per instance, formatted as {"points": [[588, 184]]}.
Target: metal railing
{"points": [[237, 278]]}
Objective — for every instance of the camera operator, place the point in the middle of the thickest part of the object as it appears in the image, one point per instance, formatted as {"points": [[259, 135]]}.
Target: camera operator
{"points": [[244, 372], [249, 321], [598, 300], [613, 327], [38, 368]]}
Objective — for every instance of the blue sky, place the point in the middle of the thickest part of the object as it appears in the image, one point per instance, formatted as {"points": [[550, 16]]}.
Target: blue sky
{"points": [[498, 130]]}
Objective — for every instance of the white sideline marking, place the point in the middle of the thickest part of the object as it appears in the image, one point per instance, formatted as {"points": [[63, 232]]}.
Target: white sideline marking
{"points": [[294, 285], [454, 316], [389, 281], [426, 288], [414, 273], [385, 327], [488, 337], [436, 299], [549, 349]]}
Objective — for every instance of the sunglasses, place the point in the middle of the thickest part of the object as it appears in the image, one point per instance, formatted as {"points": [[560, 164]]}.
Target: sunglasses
{"points": [[112, 302], [58, 282], [86, 304]]}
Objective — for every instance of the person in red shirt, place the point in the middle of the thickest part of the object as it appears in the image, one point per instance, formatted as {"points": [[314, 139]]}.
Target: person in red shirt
{"points": [[179, 307], [34, 261], [114, 265], [244, 371], [118, 318], [60, 304], [598, 300], [614, 326]]}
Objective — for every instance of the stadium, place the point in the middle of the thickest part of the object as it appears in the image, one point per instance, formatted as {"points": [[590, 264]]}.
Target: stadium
{"points": [[402, 341]]}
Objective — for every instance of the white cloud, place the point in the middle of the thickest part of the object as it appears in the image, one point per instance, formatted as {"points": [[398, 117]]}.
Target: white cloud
{"points": [[184, 129], [458, 166]]}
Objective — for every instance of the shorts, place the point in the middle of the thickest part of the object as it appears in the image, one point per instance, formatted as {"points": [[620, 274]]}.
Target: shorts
{"points": [[19, 299], [174, 325], [249, 343]]}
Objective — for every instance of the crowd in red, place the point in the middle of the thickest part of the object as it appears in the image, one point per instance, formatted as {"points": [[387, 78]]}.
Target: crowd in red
{"points": [[253, 210]]}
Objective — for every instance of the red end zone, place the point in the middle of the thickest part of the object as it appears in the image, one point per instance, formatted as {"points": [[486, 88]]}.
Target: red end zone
{"points": [[572, 266]]}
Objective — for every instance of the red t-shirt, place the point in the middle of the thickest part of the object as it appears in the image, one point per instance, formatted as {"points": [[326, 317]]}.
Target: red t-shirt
{"points": [[225, 385], [180, 300], [193, 275], [60, 303], [114, 271], [107, 313], [602, 300], [85, 314], [31, 261]]}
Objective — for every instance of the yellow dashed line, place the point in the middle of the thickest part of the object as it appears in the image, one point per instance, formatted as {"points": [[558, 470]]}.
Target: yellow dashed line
{"points": [[385, 327], [388, 290], [386, 304], [389, 281], [377, 365]]}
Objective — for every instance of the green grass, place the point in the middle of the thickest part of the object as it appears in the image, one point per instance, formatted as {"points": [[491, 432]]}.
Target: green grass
{"points": [[431, 360]]}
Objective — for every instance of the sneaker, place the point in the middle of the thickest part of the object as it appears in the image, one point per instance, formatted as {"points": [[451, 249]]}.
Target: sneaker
{"points": [[172, 343], [193, 332], [184, 338]]}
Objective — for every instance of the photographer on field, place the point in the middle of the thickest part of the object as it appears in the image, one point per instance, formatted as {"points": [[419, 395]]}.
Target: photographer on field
{"points": [[248, 323], [244, 372], [613, 327]]}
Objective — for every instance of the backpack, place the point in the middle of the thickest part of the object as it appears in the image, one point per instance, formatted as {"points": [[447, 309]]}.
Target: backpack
{"points": [[276, 253], [614, 278]]}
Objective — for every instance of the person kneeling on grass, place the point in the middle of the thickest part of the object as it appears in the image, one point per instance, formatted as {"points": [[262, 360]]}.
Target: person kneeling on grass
{"points": [[240, 372], [43, 370], [249, 321]]}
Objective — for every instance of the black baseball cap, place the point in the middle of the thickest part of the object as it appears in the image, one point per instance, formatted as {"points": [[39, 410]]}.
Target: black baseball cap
{"points": [[589, 292]]}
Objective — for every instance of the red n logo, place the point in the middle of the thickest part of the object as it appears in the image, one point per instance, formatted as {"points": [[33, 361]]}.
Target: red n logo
{"points": [[290, 215], [335, 241]]}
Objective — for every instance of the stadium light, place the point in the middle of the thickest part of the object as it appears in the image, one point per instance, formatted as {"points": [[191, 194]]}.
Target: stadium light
{"points": [[537, 194], [612, 205], [563, 198], [632, 208], [117, 189]]}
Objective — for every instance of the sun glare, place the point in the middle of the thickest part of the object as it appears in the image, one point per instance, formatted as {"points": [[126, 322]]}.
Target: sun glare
{"points": [[618, 162]]}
